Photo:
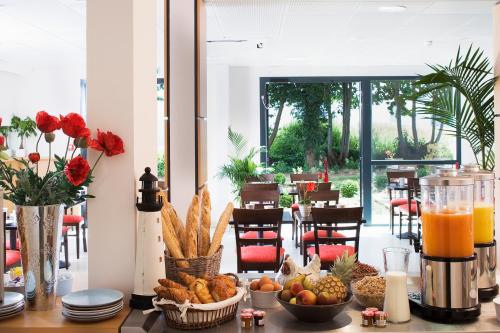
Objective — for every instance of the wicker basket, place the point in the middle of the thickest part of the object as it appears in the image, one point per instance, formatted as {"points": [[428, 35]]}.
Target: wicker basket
{"points": [[200, 266], [201, 319]]}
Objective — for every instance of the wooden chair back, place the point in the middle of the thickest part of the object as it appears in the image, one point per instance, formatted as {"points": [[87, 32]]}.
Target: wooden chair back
{"points": [[324, 186], [261, 198], [393, 176], [258, 220], [308, 177], [338, 220], [326, 196], [260, 187]]}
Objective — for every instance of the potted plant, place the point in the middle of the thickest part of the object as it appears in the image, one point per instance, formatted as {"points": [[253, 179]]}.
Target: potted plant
{"points": [[4, 146], [460, 96], [40, 198], [304, 190], [241, 166], [25, 128]]}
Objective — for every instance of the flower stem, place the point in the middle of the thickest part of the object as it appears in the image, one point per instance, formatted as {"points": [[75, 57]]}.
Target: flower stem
{"points": [[34, 201], [37, 142], [50, 156], [67, 147], [97, 161]]}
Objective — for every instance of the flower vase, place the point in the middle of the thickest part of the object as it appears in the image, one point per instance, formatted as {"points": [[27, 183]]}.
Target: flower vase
{"points": [[40, 230], [305, 209]]}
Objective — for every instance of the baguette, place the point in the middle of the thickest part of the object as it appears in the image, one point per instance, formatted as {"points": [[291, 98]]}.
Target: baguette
{"points": [[220, 229], [171, 241], [192, 224], [204, 240], [174, 218]]}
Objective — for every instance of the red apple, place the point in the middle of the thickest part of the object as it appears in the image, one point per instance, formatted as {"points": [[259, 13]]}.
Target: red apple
{"points": [[306, 297], [296, 288]]}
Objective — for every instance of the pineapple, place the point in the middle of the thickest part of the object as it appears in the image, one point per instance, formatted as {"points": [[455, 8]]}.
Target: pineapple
{"points": [[331, 285], [343, 266]]}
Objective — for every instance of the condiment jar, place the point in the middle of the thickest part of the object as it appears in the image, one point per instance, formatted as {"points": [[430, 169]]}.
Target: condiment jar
{"points": [[380, 319], [258, 317], [246, 320], [367, 318]]}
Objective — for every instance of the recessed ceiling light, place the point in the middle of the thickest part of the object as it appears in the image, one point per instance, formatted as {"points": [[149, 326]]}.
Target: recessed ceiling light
{"points": [[392, 9]]}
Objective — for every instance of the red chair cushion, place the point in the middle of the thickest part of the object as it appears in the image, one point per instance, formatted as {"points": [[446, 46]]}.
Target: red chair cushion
{"points": [[12, 257], [404, 208], [253, 235], [65, 230], [259, 254], [7, 244], [295, 207], [309, 236], [72, 219], [401, 201], [328, 253]]}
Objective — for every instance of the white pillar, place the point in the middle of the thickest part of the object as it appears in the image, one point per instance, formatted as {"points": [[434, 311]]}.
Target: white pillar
{"points": [[496, 64], [121, 81]]}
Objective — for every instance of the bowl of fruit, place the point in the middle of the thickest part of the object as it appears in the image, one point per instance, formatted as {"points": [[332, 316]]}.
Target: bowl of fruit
{"points": [[314, 301], [263, 292]]}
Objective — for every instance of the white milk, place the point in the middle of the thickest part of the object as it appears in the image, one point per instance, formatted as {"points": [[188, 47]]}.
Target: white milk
{"points": [[396, 302]]}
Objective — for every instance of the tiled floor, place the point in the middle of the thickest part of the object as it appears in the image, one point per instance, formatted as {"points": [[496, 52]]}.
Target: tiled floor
{"points": [[373, 240]]}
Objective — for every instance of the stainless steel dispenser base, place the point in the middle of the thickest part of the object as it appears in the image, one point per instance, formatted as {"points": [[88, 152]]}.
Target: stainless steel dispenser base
{"points": [[487, 264], [442, 314]]}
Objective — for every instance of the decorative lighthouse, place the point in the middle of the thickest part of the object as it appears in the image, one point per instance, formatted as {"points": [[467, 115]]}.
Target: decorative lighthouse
{"points": [[149, 251]]}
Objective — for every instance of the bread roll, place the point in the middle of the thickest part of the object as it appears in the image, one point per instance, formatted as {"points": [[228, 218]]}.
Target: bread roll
{"points": [[204, 239], [220, 229], [192, 224]]}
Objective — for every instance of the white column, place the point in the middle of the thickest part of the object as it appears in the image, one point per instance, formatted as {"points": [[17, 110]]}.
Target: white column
{"points": [[121, 81], [496, 64]]}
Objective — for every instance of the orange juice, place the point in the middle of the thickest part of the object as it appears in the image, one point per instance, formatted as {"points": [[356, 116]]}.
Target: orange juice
{"points": [[447, 233], [483, 223]]}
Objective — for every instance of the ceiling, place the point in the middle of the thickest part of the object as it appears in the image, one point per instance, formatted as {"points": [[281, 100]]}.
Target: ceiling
{"points": [[345, 33]]}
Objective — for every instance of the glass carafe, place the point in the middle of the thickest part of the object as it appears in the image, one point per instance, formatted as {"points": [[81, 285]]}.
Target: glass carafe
{"points": [[396, 302], [483, 213], [447, 227]]}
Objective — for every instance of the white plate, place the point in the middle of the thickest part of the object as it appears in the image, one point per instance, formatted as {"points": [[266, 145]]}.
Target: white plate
{"points": [[11, 308], [93, 308], [11, 298], [12, 313], [92, 298], [96, 312], [90, 318]]}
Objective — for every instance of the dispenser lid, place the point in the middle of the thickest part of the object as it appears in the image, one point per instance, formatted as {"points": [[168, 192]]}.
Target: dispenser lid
{"points": [[438, 180], [446, 172], [473, 170]]}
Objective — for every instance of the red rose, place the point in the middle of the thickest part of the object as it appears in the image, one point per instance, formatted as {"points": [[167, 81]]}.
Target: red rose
{"points": [[310, 187], [2, 140], [34, 157], [47, 123], [73, 125], [107, 142], [77, 170]]}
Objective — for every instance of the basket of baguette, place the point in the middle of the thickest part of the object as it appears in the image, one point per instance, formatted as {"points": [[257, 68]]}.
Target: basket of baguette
{"points": [[189, 246], [198, 302]]}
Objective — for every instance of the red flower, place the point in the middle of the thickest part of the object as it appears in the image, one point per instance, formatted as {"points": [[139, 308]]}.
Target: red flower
{"points": [[2, 140], [108, 143], [47, 123], [73, 125], [34, 157], [77, 170], [310, 187]]}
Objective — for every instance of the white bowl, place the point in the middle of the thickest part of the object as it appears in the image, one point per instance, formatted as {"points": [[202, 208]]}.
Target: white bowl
{"points": [[496, 301], [264, 299]]}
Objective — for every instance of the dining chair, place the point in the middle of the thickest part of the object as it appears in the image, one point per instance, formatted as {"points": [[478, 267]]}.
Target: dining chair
{"points": [[324, 186], [308, 177], [260, 198], [258, 254], [394, 202], [410, 209], [326, 196], [74, 222], [333, 229], [260, 186]]}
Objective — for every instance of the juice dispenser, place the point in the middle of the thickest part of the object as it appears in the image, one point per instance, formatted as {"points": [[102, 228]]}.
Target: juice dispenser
{"points": [[484, 226], [448, 264]]}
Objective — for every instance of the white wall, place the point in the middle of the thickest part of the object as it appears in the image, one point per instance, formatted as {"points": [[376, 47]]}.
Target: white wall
{"points": [[54, 89]]}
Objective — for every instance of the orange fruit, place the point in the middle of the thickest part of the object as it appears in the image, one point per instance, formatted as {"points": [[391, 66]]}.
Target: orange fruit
{"points": [[267, 287], [254, 285], [265, 280], [277, 286]]}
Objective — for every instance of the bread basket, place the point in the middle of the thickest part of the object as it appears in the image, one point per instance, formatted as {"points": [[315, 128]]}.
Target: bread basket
{"points": [[201, 266], [189, 316]]}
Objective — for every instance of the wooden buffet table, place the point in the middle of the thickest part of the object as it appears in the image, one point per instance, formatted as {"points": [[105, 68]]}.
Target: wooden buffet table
{"points": [[53, 322]]}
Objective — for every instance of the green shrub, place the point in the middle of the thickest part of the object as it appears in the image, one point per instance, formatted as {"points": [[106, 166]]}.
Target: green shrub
{"points": [[287, 150], [349, 188], [280, 178], [380, 182], [352, 164], [422, 172], [160, 165], [286, 201]]}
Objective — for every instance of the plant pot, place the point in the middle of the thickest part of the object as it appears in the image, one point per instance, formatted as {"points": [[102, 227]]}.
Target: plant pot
{"points": [[40, 234], [305, 209]]}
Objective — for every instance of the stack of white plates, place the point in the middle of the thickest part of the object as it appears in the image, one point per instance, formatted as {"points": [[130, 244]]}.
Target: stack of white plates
{"points": [[92, 304], [12, 305]]}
